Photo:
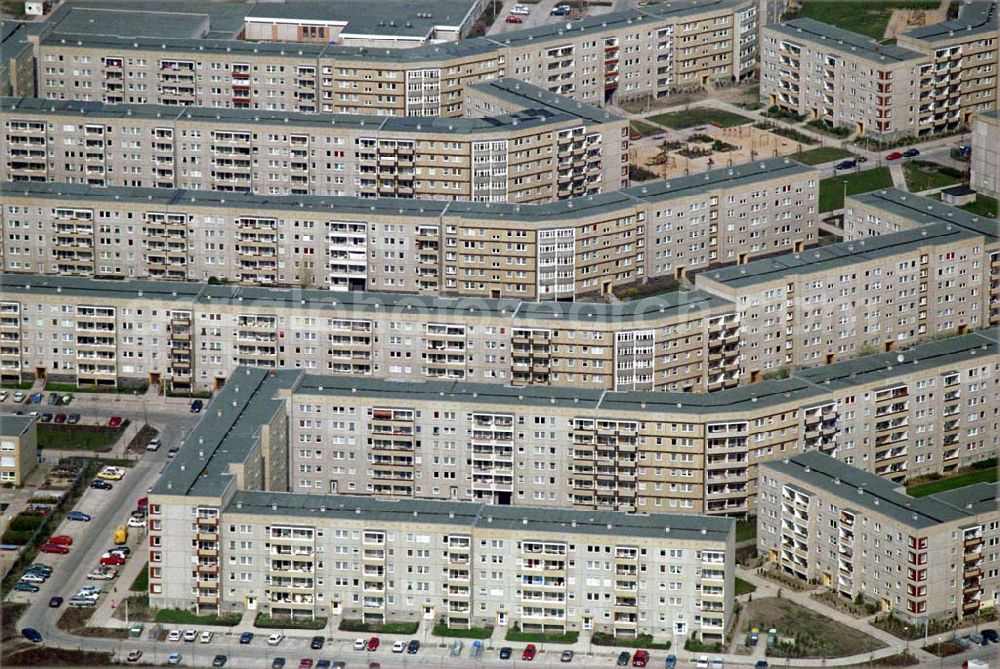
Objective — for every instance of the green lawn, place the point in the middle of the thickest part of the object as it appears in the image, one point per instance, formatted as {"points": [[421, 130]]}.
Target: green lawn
{"points": [[182, 617], [983, 206], [867, 17], [77, 437], [952, 482], [918, 179], [823, 154], [744, 587], [831, 191], [692, 117], [643, 129], [141, 582], [518, 636], [746, 529], [440, 629]]}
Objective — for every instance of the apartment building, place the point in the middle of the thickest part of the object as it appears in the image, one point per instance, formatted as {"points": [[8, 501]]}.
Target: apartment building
{"points": [[646, 52], [18, 448], [922, 558], [927, 411], [985, 161], [555, 251], [192, 336], [238, 541], [937, 275], [537, 153], [932, 81]]}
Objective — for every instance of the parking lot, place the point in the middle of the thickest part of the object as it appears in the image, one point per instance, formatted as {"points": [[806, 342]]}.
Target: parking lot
{"points": [[539, 15]]}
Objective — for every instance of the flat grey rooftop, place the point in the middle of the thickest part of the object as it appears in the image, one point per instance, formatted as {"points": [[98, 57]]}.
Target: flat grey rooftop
{"points": [[12, 425], [843, 41], [529, 96], [139, 21], [858, 489], [411, 18], [925, 211], [974, 18], [563, 522]]}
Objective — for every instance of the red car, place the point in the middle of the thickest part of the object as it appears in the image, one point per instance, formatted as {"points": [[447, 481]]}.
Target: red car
{"points": [[895, 155], [61, 539], [373, 643], [115, 421], [113, 559], [54, 548], [641, 658], [514, 19], [529, 652], [305, 663]]}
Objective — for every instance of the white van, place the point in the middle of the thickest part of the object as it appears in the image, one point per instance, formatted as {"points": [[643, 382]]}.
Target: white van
{"points": [[154, 444], [520, 10]]}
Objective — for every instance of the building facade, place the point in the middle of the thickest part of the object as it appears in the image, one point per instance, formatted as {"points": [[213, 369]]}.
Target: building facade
{"points": [[648, 52], [985, 159], [240, 542], [909, 270], [933, 80], [922, 558], [18, 448], [636, 451], [536, 153], [555, 251]]}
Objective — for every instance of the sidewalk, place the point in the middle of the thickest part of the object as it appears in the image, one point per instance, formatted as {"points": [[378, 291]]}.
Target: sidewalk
{"points": [[118, 589]]}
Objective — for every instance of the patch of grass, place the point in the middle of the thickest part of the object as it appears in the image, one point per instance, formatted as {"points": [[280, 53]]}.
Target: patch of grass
{"points": [[822, 154], [868, 18], [746, 529], [952, 482], [641, 641], [441, 629], [921, 179], [516, 635], [78, 437], [787, 133], [638, 173], [182, 617], [983, 206], [43, 656], [815, 634], [831, 190], [378, 628], [13, 385], [744, 587], [637, 129], [696, 645], [10, 613], [638, 291], [832, 130], [56, 387], [141, 582], [693, 117], [944, 649], [280, 622]]}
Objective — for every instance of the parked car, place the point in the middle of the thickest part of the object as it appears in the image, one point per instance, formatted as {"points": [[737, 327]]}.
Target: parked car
{"points": [[55, 602], [246, 638], [115, 421], [513, 19], [111, 474], [520, 10], [316, 643], [977, 639], [456, 648], [566, 656], [219, 661], [196, 406], [206, 636], [305, 663], [18, 396], [278, 663], [623, 658], [114, 560], [175, 658], [373, 643], [641, 658], [32, 635], [506, 652], [134, 655], [136, 522], [103, 574], [25, 586], [275, 639], [529, 652], [190, 635], [73, 419], [54, 548], [671, 662], [44, 568], [173, 451], [895, 155], [360, 644], [412, 647], [60, 418], [154, 444], [175, 635], [4, 395], [323, 664], [991, 635], [911, 153], [398, 646], [559, 11], [98, 484], [761, 664], [53, 398], [845, 165], [124, 551], [78, 516], [45, 418], [36, 398], [61, 539]]}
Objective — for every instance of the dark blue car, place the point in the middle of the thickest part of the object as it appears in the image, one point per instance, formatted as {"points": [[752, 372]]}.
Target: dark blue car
{"points": [[196, 406], [845, 165], [246, 638], [32, 635]]}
